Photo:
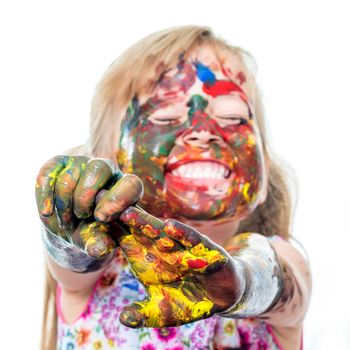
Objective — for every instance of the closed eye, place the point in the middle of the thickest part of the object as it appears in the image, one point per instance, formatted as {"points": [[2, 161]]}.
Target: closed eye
{"points": [[166, 119], [232, 119]]}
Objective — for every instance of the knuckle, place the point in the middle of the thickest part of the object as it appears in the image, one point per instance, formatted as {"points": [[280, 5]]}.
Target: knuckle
{"points": [[104, 163], [63, 184], [98, 162]]}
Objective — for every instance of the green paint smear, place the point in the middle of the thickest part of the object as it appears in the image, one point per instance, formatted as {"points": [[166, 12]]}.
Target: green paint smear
{"points": [[217, 150], [197, 103]]}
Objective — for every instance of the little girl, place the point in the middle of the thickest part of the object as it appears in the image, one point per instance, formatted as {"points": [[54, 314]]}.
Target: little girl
{"points": [[185, 244]]}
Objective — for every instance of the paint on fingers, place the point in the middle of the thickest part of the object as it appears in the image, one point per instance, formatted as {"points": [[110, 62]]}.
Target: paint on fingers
{"points": [[96, 240], [45, 184], [64, 190], [184, 234], [138, 219], [97, 174], [127, 191]]}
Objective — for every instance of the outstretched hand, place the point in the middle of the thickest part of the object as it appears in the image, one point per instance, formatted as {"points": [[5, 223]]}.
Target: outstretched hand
{"points": [[187, 277]]}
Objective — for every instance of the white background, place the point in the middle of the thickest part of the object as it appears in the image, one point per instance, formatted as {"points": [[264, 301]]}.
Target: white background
{"points": [[52, 56]]}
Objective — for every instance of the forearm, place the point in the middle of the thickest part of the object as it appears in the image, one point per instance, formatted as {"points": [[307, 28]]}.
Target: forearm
{"points": [[72, 282], [257, 265], [290, 308], [277, 284]]}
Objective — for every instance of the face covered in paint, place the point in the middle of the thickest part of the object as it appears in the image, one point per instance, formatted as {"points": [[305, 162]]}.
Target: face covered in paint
{"points": [[194, 142]]}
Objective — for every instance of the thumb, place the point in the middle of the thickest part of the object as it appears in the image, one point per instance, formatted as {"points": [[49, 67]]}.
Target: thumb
{"points": [[132, 316], [94, 239]]}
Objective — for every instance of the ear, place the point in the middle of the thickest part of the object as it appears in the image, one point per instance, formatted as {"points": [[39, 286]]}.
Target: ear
{"points": [[266, 180]]}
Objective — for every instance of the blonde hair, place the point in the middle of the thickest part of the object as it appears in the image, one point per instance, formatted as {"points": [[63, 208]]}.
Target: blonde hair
{"points": [[133, 74]]}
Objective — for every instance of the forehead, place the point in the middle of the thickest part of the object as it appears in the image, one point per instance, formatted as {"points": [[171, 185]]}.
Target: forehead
{"points": [[207, 65]]}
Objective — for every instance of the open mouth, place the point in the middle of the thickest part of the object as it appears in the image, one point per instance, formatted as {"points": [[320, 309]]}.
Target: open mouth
{"points": [[200, 170]]}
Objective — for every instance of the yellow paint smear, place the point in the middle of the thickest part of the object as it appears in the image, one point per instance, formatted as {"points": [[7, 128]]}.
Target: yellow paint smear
{"points": [[183, 309]]}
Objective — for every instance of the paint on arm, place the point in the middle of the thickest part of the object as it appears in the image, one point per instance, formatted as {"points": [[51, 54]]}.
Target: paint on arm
{"points": [[290, 309], [261, 270]]}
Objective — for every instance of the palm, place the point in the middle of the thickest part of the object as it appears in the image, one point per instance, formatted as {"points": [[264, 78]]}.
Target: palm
{"points": [[176, 264]]}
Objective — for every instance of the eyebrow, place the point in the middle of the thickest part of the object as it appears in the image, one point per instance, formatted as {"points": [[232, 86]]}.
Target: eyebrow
{"points": [[155, 103]]}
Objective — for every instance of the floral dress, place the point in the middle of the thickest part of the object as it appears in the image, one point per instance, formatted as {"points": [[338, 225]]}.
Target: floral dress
{"points": [[98, 327]]}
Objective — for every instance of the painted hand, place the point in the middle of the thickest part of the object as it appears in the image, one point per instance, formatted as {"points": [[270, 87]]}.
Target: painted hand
{"points": [[187, 277], [66, 191]]}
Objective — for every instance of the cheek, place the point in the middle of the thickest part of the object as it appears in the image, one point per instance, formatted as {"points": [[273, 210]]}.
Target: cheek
{"points": [[244, 140], [248, 152], [147, 146]]}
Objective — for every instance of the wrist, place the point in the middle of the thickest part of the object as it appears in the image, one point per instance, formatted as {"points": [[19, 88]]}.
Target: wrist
{"points": [[257, 263], [70, 256]]}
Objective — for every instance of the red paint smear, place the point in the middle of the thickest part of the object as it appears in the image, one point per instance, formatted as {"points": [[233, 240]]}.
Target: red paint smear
{"points": [[221, 87], [197, 264], [224, 71], [241, 77]]}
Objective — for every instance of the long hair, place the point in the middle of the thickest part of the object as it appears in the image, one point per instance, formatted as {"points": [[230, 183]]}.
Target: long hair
{"points": [[134, 73]]}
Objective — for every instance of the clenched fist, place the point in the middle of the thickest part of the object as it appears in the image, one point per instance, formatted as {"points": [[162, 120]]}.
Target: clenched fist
{"points": [[66, 191]]}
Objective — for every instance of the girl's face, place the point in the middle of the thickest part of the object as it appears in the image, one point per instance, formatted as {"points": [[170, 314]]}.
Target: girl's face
{"points": [[194, 142]]}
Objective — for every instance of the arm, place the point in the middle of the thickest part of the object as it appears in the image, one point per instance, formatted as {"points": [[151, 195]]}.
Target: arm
{"points": [[288, 303], [287, 315], [79, 247], [76, 288]]}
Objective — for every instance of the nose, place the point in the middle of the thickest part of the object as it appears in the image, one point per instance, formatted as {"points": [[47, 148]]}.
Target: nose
{"points": [[201, 139], [203, 131]]}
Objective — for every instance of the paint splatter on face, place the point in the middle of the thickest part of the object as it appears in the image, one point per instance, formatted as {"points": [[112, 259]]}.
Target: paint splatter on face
{"points": [[194, 143]]}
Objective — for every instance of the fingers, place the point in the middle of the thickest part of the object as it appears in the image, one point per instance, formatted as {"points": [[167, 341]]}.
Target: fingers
{"points": [[98, 173], [124, 193], [94, 239], [202, 255], [187, 235], [148, 229], [131, 317], [65, 186], [137, 219], [51, 223], [184, 234], [45, 184]]}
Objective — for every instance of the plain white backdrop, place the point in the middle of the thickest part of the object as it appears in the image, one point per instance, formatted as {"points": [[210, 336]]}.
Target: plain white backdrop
{"points": [[52, 56]]}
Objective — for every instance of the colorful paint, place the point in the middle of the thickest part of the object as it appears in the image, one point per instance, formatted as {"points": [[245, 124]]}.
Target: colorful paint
{"points": [[255, 257], [66, 188], [194, 144], [178, 279]]}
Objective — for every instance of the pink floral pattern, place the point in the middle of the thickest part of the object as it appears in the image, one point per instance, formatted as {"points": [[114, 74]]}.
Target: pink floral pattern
{"points": [[99, 328]]}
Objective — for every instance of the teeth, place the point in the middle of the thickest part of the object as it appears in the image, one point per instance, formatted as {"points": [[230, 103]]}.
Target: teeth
{"points": [[182, 170], [201, 170]]}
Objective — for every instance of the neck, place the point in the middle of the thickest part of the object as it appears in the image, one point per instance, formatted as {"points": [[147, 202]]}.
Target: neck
{"points": [[218, 231]]}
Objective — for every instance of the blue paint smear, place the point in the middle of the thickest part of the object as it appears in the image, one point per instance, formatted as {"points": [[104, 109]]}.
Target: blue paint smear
{"points": [[204, 74], [129, 281], [59, 203]]}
